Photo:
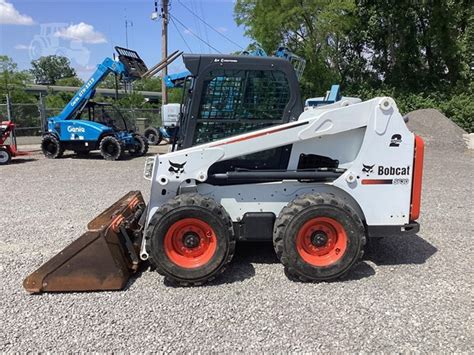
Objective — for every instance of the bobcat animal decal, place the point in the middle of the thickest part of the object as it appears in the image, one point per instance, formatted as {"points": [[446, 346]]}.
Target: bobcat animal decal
{"points": [[176, 168], [368, 168]]}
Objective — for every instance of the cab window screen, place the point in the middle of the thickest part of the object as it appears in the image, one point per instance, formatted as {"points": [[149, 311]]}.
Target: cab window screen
{"points": [[239, 101]]}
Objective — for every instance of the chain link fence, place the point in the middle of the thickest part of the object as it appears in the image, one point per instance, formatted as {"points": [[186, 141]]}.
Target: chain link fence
{"points": [[31, 119]]}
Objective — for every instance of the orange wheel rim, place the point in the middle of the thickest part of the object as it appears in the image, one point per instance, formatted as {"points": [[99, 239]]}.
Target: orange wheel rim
{"points": [[321, 241], [190, 243]]}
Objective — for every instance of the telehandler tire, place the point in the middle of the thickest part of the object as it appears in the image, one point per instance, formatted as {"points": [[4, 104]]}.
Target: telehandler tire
{"points": [[141, 148], [318, 237], [111, 148], [153, 136], [51, 147], [190, 240]]}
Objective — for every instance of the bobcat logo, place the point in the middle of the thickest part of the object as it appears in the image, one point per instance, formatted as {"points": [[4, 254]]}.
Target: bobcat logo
{"points": [[368, 168], [176, 168]]}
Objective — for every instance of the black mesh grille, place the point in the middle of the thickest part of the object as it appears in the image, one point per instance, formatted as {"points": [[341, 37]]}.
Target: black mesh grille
{"points": [[239, 101]]}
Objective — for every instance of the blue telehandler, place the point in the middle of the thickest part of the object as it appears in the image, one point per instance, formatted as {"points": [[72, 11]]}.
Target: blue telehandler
{"points": [[108, 133]]}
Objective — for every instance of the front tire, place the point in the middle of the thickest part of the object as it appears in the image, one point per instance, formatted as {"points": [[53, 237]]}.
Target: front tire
{"points": [[51, 147], [318, 237], [140, 148], [5, 156], [110, 148], [190, 240], [153, 136]]}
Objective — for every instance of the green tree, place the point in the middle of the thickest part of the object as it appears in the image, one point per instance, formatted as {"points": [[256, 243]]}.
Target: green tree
{"points": [[150, 84], [51, 68], [70, 81], [420, 52], [109, 82], [414, 46], [406, 45], [13, 81], [314, 29]]}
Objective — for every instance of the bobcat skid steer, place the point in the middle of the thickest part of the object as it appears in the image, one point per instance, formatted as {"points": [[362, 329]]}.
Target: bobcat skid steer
{"points": [[316, 183]]}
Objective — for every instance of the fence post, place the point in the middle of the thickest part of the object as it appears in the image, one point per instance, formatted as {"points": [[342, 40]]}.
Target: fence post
{"points": [[9, 107], [42, 112]]}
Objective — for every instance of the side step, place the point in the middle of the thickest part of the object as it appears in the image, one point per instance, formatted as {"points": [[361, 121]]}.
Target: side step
{"points": [[103, 258]]}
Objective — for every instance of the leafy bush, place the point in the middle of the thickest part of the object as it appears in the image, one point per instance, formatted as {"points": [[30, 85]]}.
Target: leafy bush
{"points": [[460, 108]]}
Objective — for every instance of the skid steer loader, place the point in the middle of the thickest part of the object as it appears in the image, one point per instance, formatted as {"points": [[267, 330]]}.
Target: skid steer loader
{"points": [[249, 165]]}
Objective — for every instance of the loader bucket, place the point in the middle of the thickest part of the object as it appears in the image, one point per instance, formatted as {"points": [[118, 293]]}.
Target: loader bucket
{"points": [[103, 258]]}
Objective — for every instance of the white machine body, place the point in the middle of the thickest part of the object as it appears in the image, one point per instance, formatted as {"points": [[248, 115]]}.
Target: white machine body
{"points": [[369, 139]]}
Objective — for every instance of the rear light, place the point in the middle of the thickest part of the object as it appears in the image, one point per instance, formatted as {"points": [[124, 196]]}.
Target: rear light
{"points": [[417, 178]]}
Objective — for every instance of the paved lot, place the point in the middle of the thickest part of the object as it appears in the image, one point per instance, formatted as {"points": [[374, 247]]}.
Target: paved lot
{"points": [[408, 294]]}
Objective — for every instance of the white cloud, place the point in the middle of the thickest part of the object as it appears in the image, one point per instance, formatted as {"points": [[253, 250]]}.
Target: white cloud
{"points": [[81, 32], [187, 32], [222, 29], [10, 16], [21, 47]]}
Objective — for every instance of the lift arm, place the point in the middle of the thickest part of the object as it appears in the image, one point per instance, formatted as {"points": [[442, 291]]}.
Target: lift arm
{"points": [[129, 67], [87, 91]]}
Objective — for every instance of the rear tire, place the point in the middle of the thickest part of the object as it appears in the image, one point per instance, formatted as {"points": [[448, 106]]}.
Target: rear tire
{"points": [[190, 240], [318, 237], [153, 136], [141, 146], [5, 156], [111, 148], [51, 147]]}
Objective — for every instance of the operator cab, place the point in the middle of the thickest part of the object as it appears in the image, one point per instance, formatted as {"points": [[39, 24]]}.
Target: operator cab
{"points": [[227, 95], [106, 114]]}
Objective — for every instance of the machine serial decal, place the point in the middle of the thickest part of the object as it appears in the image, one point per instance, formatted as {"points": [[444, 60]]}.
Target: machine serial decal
{"points": [[82, 91], [395, 140], [176, 168]]}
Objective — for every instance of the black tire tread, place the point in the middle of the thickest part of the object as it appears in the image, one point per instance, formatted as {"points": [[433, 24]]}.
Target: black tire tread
{"points": [[120, 144], [183, 200], [298, 205], [144, 144], [155, 132], [53, 138]]}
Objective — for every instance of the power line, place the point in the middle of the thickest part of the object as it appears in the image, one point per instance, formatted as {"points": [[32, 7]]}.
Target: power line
{"points": [[204, 18], [182, 37], [197, 26], [195, 35], [207, 24]]}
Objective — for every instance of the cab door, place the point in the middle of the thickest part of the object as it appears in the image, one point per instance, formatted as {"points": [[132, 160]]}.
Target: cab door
{"points": [[236, 99]]}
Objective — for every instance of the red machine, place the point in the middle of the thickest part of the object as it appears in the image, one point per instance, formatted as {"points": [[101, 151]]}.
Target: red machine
{"points": [[7, 151]]}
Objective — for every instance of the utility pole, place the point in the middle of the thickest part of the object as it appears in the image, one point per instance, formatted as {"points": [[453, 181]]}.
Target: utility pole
{"points": [[127, 24], [164, 48]]}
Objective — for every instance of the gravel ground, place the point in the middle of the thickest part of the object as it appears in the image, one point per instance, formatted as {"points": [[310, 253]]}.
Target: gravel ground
{"points": [[409, 294]]}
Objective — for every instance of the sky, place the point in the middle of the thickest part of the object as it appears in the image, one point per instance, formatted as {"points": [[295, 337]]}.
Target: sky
{"points": [[86, 31]]}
